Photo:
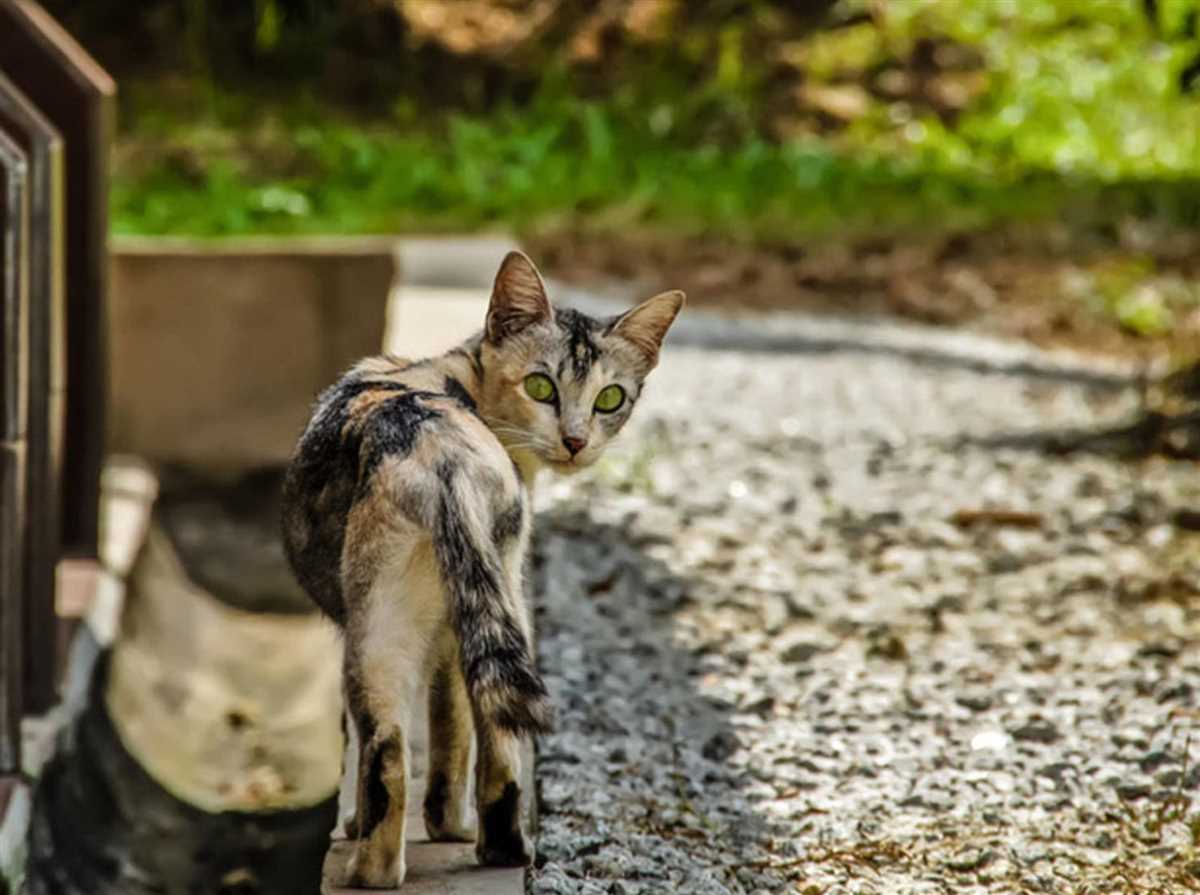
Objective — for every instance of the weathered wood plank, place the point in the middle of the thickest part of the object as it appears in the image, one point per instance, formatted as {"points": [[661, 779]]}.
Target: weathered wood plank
{"points": [[76, 95], [14, 358], [12, 482], [46, 386]]}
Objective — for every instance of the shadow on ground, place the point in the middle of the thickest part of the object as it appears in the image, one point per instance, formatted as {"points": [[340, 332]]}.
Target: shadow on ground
{"points": [[634, 785]]}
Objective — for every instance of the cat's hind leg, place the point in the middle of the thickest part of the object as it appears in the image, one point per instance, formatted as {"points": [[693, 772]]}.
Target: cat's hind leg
{"points": [[378, 858], [388, 640], [480, 532], [448, 815], [502, 840]]}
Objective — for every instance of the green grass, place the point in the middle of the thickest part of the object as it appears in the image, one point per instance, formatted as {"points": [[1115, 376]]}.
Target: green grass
{"points": [[562, 160], [1080, 116]]}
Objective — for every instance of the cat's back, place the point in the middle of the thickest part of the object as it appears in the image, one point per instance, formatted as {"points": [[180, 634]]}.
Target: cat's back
{"points": [[385, 414]]}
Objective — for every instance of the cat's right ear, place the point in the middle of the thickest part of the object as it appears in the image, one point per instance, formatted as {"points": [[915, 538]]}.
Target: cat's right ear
{"points": [[518, 299]]}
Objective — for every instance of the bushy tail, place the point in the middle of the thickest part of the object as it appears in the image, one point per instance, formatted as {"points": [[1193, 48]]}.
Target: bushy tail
{"points": [[497, 658]]}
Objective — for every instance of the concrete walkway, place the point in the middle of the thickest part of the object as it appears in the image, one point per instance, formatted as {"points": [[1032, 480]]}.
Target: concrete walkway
{"points": [[435, 868]]}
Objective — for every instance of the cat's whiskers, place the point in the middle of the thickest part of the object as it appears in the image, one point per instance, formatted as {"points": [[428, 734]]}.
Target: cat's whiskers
{"points": [[520, 444], [516, 439]]}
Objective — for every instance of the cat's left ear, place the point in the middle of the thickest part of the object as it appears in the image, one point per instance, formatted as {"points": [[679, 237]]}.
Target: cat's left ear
{"points": [[646, 325], [518, 298]]}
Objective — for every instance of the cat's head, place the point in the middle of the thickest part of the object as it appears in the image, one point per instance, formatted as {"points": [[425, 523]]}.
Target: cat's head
{"points": [[559, 385]]}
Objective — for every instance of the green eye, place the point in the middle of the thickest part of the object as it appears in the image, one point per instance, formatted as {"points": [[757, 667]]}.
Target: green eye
{"points": [[539, 387], [611, 398]]}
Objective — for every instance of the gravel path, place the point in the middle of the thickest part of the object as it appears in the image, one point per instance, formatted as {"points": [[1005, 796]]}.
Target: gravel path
{"points": [[784, 664]]}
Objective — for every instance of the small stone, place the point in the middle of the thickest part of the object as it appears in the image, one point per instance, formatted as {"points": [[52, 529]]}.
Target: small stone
{"points": [[1005, 563], [1154, 760], [801, 652], [886, 645], [775, 613], [720, 746], [989, 740], [976, 702], [1056, 770], [763, 706], [1163, 649], [1170, 778], [798, 608], [971, 859], [1133, 791], [1037, 730]]}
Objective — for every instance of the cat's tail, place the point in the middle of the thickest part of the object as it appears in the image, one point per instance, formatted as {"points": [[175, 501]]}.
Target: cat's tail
{"points": [[488, 617]]}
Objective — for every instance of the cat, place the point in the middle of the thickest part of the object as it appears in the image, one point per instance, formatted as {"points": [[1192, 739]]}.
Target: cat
{"points": [[406, 519]]}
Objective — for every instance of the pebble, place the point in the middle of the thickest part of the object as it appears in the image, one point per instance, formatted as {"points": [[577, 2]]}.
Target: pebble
{"points": [[801, 652], [1037, 730], [989, 740]]}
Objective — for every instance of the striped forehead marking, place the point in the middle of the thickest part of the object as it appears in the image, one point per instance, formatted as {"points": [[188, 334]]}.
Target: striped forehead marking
{"points": [[581, 348]]}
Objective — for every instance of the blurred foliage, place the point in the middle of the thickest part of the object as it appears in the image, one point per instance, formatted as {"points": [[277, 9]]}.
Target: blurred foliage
{"points": [[759, 120]]}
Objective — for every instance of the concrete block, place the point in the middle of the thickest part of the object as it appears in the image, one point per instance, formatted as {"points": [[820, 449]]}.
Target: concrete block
{"points": [[218, 349]]}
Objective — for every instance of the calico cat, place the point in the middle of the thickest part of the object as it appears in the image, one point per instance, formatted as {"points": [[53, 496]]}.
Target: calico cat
{"points": [[406, 519]]}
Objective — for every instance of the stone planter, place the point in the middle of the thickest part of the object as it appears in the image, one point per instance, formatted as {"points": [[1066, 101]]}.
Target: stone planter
{"points": [[219, 347]]}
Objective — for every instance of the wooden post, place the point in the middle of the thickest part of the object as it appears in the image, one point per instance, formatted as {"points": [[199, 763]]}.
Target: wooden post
{"points": [[46, 387], [76, 96], [14, 358]]}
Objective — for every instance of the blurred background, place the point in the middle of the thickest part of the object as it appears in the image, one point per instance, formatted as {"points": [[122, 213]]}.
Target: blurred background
{"points": [[1029, 166]]}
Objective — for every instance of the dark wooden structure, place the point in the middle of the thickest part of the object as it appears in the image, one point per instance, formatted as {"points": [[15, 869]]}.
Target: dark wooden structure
{"points": [[56, 109], [45, 388], [14, 378]]}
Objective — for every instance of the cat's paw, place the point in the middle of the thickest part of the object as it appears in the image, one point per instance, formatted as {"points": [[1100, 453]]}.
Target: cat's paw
{"points": [[502, 842], [448, 831], [512, 850], [369, 870], [447, 817]]}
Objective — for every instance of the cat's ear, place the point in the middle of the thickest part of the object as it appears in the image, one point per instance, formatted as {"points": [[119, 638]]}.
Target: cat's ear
{"points": [[646, 325], [518, 298]]}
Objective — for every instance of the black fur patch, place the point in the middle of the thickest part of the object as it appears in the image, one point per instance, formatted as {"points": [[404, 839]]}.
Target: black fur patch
{"points": [[472, 351], [459, 393], [500, 833], [391, 430], [376, 798], [332, 469], [320, 487], [582, 350], [435, 799], [507, 524]]}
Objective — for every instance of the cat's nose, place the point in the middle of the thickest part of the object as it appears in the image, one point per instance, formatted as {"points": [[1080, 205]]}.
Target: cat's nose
{"points": [[574, 445]]}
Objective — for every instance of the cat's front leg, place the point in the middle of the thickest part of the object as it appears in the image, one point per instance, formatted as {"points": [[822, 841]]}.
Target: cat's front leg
{"points": [[502, 841]]}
